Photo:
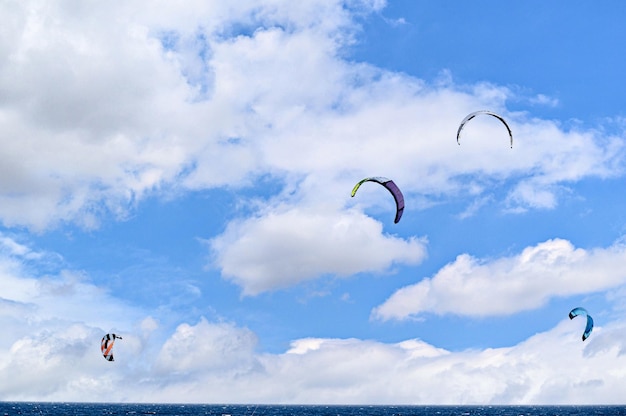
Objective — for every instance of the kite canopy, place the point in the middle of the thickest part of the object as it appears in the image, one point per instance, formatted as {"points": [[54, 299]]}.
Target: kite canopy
{"points": [[107, 346], [474, 114], [582, 311], [391, 187]]}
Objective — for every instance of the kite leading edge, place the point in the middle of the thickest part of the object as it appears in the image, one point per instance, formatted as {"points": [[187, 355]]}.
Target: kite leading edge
{"points": [[474, 114], [391, 187], [582, 311]]}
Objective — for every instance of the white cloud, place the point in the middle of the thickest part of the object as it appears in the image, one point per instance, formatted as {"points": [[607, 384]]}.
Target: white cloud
{"points": [[532, 195], [36, 302], [542, 99], [292, 245], [53, 323], [52, 354], [206, 347], [102, 105], [552, 367], [508, 285]]}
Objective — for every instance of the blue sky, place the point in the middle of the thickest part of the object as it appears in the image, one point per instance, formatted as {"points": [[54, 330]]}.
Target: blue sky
{"points": [[181, 176]]}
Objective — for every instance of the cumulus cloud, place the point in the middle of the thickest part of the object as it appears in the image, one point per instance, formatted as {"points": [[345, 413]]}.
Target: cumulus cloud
{"points": [[283, 248], [508, 285], [206, 347], [103, 105], [546, 368], [50, 353], [53, 323], [552, 367]]}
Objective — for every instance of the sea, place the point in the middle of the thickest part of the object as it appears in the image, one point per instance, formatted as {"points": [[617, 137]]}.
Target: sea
{"points": [[84, 409]]}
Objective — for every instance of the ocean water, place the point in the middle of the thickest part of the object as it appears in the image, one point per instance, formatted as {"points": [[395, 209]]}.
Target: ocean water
{"points": [[80, 409]]}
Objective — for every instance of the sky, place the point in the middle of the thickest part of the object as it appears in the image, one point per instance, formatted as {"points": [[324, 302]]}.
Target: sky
{"points": [[179, 174]]}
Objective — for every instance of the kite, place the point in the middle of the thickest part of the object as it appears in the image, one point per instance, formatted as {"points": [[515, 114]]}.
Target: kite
{"points": [[474, 114], [107, 345], [582, 311], [391, 187]]}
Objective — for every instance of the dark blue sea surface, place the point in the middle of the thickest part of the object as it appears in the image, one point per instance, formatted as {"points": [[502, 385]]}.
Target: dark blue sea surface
{"points": [[84, 409]]}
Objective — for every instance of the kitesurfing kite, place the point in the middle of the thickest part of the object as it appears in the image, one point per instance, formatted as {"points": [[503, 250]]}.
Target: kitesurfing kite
{"points": [[107, 346], [582, 311], [391, 187], [474, 114]]}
